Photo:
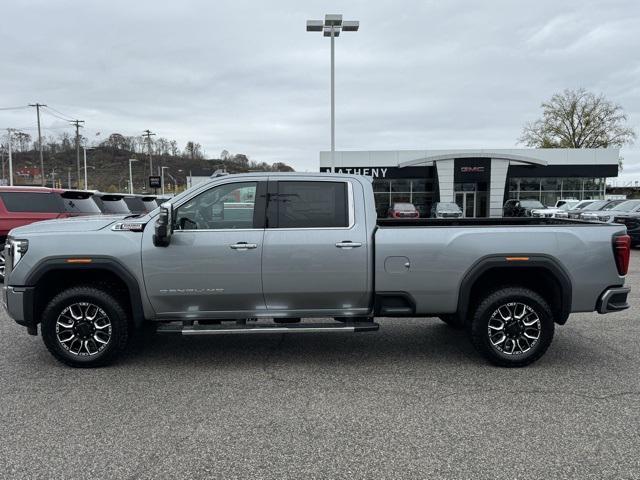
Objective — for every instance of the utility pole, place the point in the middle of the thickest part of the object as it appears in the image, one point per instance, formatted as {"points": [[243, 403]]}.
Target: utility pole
{"points": [[147, 133], [78, 126], [10, 131], [38, 105]]}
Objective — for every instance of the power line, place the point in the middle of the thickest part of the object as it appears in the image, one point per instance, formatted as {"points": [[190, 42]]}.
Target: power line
{"points": [[60, 113], [59, 117], [14, 108]]}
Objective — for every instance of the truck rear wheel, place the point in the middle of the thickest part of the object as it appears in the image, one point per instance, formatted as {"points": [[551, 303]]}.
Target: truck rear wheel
{"points": [[512, 327], [85, 327]]}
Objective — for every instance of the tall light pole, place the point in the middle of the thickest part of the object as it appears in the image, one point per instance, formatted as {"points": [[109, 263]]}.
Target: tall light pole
{"points": [[85, 166], [331, 27], [162, 177], [10, 132], [131, 160], [78, 127], [38, 105], [148, 133]]}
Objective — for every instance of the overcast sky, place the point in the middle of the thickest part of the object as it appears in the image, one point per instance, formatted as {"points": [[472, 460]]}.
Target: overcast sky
{"points": [[245, 75]]}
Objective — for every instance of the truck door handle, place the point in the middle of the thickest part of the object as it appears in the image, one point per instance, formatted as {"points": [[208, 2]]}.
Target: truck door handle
{"points": [[243, 246], [348, 244]]}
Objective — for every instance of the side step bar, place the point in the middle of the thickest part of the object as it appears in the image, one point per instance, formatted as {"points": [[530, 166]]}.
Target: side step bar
{"points": [[277, 328]]}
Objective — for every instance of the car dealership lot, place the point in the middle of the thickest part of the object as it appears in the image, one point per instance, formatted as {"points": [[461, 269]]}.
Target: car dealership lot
{"points": [[413, 401]]}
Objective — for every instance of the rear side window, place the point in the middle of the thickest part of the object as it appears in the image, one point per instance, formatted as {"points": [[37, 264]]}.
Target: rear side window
{"points": [[309, 205], [79, 202], [135, 204], [32, 202], [111, 204]]}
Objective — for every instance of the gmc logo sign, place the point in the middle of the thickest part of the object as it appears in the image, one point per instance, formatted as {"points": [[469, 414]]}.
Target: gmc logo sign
{"points": [[472, 169]]}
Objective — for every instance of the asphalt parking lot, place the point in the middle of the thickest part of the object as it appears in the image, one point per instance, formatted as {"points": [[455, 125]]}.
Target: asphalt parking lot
{"points": [[413, 400]]}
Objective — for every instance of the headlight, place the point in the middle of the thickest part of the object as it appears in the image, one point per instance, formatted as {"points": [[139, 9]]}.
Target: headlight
{"points": [[17, 249], [604, 218], [562, 215]]}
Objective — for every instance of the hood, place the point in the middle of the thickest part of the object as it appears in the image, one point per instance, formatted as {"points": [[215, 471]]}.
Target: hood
{"points": [[72, 224]]}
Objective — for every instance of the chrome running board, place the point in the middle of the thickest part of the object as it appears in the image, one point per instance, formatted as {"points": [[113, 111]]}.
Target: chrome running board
{"points": [[277, 328]]}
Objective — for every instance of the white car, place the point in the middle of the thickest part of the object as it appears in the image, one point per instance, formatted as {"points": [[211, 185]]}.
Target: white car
{"points": [[552, 212]]}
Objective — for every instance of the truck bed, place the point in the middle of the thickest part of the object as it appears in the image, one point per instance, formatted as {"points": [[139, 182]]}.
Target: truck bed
{"points": [[438, 257], [480, 222]]}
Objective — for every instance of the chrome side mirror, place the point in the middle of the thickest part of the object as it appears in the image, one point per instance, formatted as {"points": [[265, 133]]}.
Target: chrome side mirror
{"points": [[164, 226]]}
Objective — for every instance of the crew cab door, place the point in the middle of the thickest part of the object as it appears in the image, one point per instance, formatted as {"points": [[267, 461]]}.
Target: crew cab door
{"points": [[212, 266], [315, 259]]}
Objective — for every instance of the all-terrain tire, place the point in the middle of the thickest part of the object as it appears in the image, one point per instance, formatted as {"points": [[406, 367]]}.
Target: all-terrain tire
{"points": [[94, 342], [489, 317]]}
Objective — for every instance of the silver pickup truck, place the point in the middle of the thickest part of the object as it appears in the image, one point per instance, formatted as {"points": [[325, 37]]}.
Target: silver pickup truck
{"points": [[256, 253]]}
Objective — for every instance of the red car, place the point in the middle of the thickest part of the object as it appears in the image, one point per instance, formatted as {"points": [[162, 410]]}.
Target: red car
{"points": [[403, 210], [24, 205]]}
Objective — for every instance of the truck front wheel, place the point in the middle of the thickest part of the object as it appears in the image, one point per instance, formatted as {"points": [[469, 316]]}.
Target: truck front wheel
{"points": [[512, 327], [84, 327]]}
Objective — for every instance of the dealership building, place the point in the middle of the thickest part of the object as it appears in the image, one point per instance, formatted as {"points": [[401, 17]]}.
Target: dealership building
{"points": [[479, 181]]}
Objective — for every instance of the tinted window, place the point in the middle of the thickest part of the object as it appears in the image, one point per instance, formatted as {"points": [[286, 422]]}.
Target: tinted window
{"points": [[111, 204], [79, 202], [32, 202], [309, 205], [135, 204], [222, 207], [595, 205]]}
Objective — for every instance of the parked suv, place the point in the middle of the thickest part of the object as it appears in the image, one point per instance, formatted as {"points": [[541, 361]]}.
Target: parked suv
{"points": [[446, 210], [111, 203], [403, 210], [608, 216], [24, 205], [521, 208], [576, 210]]}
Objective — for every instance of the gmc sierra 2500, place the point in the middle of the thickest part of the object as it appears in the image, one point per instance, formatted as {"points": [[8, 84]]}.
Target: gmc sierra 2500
{"points": [[265, 250]]}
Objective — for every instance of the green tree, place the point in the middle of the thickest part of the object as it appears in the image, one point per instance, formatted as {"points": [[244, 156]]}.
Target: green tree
{"points": [[578, 119]]}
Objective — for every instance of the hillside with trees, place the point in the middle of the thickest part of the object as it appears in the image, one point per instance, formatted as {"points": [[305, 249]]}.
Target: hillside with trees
{"points": [[108, 162]]}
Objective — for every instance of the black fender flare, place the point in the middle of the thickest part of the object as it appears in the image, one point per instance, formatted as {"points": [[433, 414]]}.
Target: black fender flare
{"points": [[110, 264], [546, 262]]}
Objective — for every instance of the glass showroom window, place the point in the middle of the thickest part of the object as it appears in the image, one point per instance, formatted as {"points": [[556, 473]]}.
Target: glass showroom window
{"points": [[418, 192], [548, 190]]}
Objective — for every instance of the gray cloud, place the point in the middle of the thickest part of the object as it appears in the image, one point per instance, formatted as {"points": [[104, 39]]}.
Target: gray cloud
{"points": [[245, 76]]}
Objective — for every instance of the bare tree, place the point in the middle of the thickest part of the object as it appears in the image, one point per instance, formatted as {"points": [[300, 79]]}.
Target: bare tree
{"points": [[578, 119]]}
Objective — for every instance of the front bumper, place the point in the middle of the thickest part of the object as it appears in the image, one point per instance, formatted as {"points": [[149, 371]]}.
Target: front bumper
{"points": [[613, 300], [18, 302]]}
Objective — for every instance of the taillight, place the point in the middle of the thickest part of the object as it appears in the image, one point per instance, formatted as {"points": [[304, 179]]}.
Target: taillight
{"points": [[622, 252]]}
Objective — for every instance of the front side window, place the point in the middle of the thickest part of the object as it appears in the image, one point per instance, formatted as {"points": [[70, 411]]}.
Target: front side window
{"points": [[227, 206], [309, 205]]}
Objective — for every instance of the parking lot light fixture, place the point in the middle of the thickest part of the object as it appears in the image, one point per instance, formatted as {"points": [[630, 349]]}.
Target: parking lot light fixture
{"points": [[331, 27]]}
